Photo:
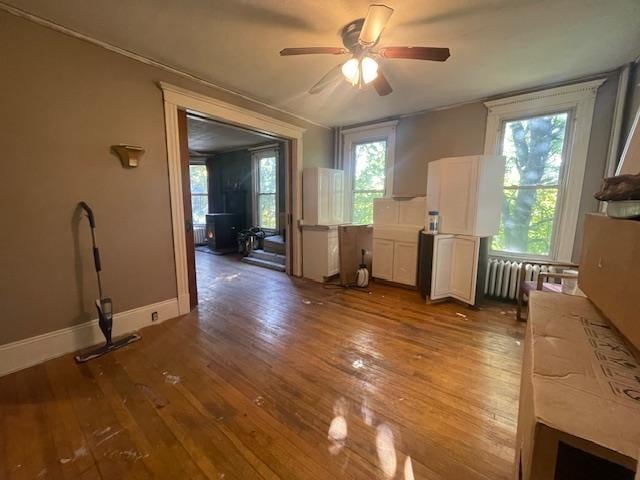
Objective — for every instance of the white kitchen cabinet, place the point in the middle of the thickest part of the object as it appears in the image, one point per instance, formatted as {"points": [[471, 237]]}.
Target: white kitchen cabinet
{"points": [[396, 226], [323, 196], [405, 263], [382, 266], [395, 253], [455, 267], [391, 211], [320, 254], [467, 193]]}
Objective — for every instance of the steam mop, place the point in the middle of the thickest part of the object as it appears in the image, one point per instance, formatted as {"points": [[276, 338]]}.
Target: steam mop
{"points": [[104, 305]]}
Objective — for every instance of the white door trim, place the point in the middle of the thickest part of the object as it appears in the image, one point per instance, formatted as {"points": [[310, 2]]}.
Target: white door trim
{"points": [[176, 98]]}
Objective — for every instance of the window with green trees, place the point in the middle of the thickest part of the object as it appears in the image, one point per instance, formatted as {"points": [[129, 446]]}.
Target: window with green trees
{"points": [[534, 148], [267, 189], [369, 179], [199, 193]]}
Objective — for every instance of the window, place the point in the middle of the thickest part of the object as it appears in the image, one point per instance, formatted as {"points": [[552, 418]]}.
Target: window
{"points": [[368, 166], [544, 136], [266, 188], [368, 179], [199, 193], [535, 150]]}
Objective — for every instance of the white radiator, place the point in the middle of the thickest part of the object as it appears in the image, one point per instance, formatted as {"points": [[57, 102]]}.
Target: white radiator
{"points": [[503, 277], [200, 234]]}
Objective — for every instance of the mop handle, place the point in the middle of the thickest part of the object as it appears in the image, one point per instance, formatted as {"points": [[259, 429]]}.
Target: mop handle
{"points": [[96, 252]]}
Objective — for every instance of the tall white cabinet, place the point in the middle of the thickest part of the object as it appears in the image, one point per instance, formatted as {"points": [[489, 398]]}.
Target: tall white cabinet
{"points": [[467, 193], [322, 212], [323, 196], [396, 226]]}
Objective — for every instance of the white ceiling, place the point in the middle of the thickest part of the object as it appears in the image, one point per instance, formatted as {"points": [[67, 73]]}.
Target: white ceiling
{"points": [[208, 136], [496, 45]]}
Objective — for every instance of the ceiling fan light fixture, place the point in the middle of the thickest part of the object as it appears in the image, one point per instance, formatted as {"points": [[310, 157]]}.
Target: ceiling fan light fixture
{"points": [[351, 70], [369, 69]]}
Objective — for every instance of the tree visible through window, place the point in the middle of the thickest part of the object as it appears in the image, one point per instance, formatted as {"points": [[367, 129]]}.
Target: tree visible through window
{"points": [[267, 189], [199, 193], [534, 148], [369, 179]]}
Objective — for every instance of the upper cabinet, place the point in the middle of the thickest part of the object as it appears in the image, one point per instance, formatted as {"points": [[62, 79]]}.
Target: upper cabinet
{"points": [[467, 193], [323, 196], [392, 211]]}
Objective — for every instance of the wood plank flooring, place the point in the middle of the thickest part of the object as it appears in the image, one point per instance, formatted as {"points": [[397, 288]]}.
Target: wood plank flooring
{"points": [[278, 378]]}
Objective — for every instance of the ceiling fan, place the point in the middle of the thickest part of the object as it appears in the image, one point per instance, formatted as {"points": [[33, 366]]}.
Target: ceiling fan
{"points": [[360, 38]]}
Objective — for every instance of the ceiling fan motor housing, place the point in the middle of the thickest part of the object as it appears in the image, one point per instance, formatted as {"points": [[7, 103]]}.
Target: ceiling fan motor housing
{"points": [[350, 34]]}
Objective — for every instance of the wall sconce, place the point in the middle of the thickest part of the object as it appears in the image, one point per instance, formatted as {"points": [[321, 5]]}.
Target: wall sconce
{"points": [[129, 154]]}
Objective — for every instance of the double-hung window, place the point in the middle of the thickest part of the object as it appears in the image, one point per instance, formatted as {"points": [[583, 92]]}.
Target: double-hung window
{"points": [[544, 137], [199, 192], [368, 165], [535, 150], [265, 195]]}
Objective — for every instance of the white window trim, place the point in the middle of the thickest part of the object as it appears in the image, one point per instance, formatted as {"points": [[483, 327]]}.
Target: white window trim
{"points": [[350, 136], [579, 99], [200, 162], [256, 155]]}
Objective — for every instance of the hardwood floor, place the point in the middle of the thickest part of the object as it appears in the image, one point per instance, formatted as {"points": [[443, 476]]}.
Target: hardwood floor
{"points": [[273, 377]]}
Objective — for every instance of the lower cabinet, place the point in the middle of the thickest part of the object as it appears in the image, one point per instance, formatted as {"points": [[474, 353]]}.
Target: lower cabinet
{"points": [[454, 267], [382, 266], [395, 254], [405, 262], [320, 252]]}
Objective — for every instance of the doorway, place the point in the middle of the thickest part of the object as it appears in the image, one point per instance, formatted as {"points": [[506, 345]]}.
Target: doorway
{"points": [[234, 199], [175, 99]]}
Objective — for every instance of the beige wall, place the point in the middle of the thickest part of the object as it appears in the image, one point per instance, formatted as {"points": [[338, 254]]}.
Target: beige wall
{"points": [[632, 103], [433, 135], [65, 101], [597, 154]]}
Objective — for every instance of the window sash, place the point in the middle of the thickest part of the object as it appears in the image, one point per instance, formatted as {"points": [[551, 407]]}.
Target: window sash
{"points": [[351, 138], [257, 156], [562, 180], [579, 98]]}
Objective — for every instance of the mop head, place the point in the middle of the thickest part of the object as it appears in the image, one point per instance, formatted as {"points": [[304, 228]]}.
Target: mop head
{"points": [[104, 349]]}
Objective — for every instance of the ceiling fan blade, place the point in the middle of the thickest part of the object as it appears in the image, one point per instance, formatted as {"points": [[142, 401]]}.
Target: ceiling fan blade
{"points": [[313, 50], [381, 84], [374, 23], [330, 77], [416, 53]]}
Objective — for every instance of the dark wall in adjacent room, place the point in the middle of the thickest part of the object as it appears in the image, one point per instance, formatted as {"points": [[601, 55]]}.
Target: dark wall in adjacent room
{"points": [[230, 173]]}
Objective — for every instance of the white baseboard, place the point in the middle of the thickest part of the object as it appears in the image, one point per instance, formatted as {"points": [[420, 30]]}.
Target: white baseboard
{"points": [[25, 353]]}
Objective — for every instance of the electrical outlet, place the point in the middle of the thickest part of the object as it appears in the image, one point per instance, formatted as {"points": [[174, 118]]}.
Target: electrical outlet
{"points": [[154, 316]]}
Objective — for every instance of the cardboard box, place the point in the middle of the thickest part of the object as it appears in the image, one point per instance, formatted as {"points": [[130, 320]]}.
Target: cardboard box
{"points": [[579, 397], [609, 271]]}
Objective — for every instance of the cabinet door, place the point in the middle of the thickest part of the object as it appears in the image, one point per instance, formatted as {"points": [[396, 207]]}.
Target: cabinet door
{"points": [[324, 196], [333, 263], [442, 263], [458, 195], [464, 268], [337, 197], [383, 259], [405, 261]]}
